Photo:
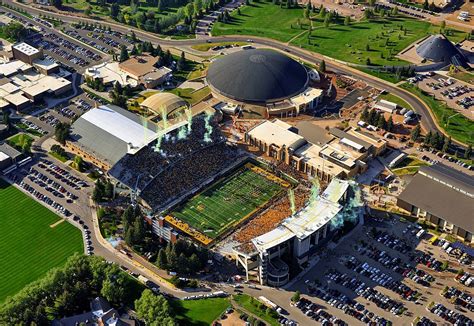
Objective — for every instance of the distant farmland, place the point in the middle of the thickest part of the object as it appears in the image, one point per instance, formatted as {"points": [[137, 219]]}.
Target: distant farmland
{"points": [[29, 246]]}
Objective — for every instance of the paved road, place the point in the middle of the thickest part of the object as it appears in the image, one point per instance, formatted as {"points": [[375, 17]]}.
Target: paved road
{"points": [[427, 119]]}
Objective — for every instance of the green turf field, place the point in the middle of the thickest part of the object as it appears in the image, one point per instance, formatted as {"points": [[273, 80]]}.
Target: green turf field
{"points": [[29, 247], [217, 208]]}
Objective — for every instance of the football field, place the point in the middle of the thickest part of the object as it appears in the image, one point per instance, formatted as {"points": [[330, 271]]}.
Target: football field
{"points": [[32, 241], [227, 202]]}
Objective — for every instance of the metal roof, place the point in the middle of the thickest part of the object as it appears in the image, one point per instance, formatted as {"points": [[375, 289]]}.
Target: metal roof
{"points": [[257, 76], [168, 102], [438, 48], [443, 195], [108, 130]]}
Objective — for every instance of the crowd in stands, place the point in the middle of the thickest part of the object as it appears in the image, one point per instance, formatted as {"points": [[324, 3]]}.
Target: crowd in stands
{"points": [[273, 216], [189, 173], [178, 164], [150, 160]]}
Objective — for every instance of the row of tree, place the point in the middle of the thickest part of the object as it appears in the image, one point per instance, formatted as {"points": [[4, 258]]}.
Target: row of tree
{"points": [[376, 118], [182, 257], [14, 31]]}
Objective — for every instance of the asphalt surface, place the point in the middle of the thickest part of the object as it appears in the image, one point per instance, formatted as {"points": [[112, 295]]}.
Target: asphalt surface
{"points": [[427, 120]]}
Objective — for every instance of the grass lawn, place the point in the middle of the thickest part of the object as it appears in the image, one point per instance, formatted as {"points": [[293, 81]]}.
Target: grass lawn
{"points": [[19, 140], [199, 312], [219, 207], [29, 245], [246, 302], [190, 95], [459, 127], [383, 36], [57, 156], [409, 165], [206, 46], [395, 99], [263, 19]]}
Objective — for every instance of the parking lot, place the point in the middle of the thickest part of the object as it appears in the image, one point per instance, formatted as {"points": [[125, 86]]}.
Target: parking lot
{"points": [[457, 94], [382, 272], [101, 39], [63, 49]]}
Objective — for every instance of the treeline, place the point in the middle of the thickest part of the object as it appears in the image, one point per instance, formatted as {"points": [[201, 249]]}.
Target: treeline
{"points": [[182, 257], [67, 291], [376, 118], [188, 13]]}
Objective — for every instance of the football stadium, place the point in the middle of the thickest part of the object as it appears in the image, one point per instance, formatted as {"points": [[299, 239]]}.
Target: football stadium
{"points": [[228, 202]]}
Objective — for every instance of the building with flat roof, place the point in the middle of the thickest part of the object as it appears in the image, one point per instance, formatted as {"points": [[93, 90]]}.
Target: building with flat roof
{"points": [[263, 78], [8, 156], [443, 197], [314, 150], [138, 70], [26, 53], [295, 239], [385, 106]]}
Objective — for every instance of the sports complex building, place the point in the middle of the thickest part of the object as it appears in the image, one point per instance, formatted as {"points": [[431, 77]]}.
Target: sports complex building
{"points": [[264, 80], [314, 150], [442, 197]]}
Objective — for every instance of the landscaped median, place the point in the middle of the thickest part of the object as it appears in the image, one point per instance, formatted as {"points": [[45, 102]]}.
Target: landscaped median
{"points": [[452, 122], [409, 165]]}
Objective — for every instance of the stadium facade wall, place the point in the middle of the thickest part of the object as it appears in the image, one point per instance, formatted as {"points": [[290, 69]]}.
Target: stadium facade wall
{"points": [[87, 156]]}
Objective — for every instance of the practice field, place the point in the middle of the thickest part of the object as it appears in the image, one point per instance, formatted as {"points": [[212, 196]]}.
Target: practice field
{"points": [[229, 201], [29, 245]]}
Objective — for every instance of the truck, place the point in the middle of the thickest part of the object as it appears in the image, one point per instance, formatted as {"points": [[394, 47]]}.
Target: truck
{"points": [[143, 279]]}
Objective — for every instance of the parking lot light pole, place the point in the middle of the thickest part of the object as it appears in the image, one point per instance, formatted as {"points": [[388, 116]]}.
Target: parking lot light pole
{"points": [[447, 120]]}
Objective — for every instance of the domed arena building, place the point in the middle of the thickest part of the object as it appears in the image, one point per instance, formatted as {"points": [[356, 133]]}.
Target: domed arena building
{"points": [[263, 79]]}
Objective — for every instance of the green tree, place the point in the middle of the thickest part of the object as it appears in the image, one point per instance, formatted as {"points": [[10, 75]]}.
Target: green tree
{"points": [[446, 144], [114, 10], [390, 124], [181, 62], [296, 296], [347, 21], [115, 286], [123, 53], [161, 260], [57, 3], [365, 115], [415, 133], [322, 66], [154, 309], [468, 152]]}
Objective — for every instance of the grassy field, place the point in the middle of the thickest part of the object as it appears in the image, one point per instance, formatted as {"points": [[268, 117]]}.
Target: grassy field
{"points": [[29, 245], [383, 37], [246, 302], [459, 127], [190, 95], [395, 99], [464, 76], [217, 208], [199, 312], [263, 19], [409, 165]]}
